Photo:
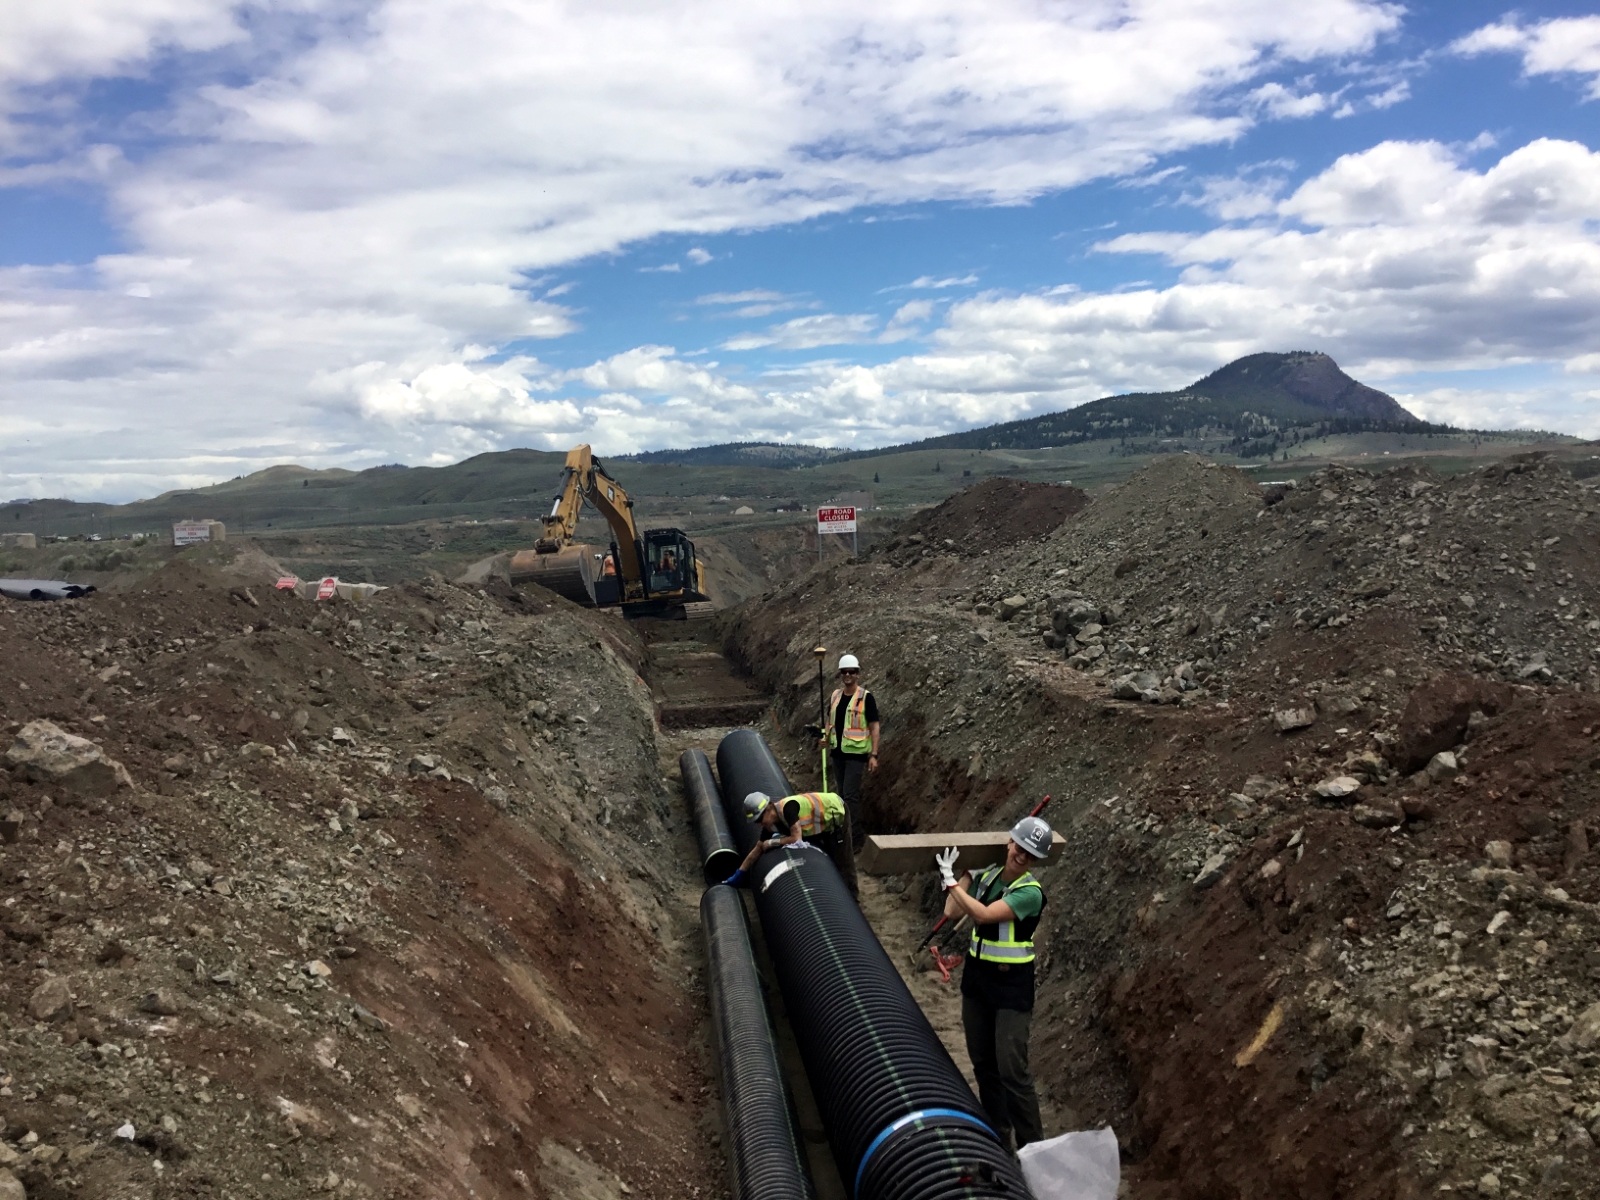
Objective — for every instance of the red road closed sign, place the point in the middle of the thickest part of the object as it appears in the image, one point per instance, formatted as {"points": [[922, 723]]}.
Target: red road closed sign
{"points": [[286, 582], [328, 589], [836, 520]]}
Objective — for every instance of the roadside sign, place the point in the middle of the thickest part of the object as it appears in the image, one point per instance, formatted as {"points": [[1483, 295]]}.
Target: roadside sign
{"points": [[288, 582], [186, 533], [329, 587], [836, 520]]}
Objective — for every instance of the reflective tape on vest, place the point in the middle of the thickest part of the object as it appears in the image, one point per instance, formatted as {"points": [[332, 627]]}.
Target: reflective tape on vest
{"points": [[857, 737], [1004, 946]]}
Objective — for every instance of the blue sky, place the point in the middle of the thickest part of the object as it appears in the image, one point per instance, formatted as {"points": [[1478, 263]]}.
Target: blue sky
{"points": [[343, 232]]}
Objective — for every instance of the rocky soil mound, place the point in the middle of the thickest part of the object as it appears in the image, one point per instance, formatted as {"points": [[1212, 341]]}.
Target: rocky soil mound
{"points": [[377, 900], [989, 515], [1328, 924]]}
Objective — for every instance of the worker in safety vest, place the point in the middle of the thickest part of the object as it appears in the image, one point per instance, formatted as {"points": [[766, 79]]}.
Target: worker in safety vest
{"points": [[817, 817], [1004, 903], [852, 741]]}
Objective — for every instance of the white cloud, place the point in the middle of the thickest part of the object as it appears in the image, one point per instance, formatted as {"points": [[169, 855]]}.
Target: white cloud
{"points": [[751, 296], [806, 333], [907, 321], [1282, 103], [1395, 260], [933, 282], [699, 257], [1561, 46], [1545, 408], [385, 181]]}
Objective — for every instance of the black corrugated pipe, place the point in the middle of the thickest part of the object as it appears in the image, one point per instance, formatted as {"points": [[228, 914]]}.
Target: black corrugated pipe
{"points": [[755, 768], [769, 1163], [902, 1121], [718, 858]]}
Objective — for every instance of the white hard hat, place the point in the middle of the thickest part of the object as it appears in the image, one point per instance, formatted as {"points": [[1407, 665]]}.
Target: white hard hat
{"points": [[1033, 835], [848, 660], [755, 804]]}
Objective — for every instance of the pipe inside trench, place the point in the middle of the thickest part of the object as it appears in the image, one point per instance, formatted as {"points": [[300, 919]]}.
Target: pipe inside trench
{"points": [[902, 1121], [718, 857], [768, 1159]]}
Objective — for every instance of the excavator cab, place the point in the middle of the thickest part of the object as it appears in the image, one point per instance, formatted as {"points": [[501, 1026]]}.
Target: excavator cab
{"points": [[669, 563]]}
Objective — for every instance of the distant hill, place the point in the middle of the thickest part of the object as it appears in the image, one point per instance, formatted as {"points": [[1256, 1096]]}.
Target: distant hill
{"points": [[1253, 404], [735, 454]]}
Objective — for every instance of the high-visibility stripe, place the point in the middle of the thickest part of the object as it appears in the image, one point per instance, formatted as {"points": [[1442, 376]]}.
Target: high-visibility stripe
{"points": [[813, 811], [1004, 947], [857, 737]]}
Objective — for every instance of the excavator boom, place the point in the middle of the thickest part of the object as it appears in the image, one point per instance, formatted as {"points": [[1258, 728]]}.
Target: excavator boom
{"points": [[654, 572]]}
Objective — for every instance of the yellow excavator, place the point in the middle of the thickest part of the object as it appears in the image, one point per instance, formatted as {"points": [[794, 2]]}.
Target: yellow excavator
{"points": [[649, 574]]}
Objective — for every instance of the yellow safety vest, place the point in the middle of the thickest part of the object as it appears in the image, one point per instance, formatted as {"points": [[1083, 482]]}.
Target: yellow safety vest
{"points": [[857, 737], [819, 811], [1000, 943]]}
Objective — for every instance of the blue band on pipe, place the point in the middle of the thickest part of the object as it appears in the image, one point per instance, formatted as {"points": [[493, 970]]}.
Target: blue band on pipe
{"points": [[901, 1124]]}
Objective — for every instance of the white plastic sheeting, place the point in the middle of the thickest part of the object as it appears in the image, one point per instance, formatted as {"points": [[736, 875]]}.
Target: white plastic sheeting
{"points": [[1074, 1166]]}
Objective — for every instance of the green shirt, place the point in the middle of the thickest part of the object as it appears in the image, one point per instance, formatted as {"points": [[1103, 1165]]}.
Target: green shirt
{"points": [[1024, 904]]}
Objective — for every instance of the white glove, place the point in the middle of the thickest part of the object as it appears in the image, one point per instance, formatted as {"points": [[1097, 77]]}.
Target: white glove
{"points": [[947, 862]]}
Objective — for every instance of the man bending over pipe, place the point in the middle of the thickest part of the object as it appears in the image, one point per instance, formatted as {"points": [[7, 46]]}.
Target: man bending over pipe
{"points": [[1004, 903], [820, 817]]}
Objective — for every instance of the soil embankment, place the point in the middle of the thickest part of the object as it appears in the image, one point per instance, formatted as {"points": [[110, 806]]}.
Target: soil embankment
{"points": [[1289, 951], [397, 903]]}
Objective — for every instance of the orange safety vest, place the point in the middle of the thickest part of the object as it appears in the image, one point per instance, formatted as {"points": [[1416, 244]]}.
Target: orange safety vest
{"points": [[857, 737], [819, 811]]}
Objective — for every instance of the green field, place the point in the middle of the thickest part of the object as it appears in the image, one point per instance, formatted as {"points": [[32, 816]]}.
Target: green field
{"points": [[506, 491]]}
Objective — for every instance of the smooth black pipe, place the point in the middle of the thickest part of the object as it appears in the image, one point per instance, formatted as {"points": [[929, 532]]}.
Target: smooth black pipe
{"points": [[902, 1121], [718, 858], [769, 1162]]}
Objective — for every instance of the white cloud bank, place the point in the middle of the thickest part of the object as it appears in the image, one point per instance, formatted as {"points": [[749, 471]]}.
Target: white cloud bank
{"points": [[378, 195], [1394, 260], [323, 256], [1560, 46]]}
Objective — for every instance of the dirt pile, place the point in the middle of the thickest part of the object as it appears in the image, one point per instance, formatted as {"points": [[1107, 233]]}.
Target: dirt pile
{"points": [[987, 515], [392, 910], [1282, 960]]}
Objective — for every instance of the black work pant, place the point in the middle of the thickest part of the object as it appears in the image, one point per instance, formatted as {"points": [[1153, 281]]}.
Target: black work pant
{"points": [[845, 772], [836, 845], [997, 1043]]}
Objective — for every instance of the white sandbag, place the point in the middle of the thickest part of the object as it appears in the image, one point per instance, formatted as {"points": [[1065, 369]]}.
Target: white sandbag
{"points": [[1074, 1166]]}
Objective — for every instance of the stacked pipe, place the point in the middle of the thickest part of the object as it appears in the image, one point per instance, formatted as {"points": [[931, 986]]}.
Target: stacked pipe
{"points": [[769, 1162], [718, 858], [901, 1120]]}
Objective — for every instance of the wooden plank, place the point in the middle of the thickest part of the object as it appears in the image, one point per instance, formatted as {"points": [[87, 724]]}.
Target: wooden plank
{"points": [[899, 853]]}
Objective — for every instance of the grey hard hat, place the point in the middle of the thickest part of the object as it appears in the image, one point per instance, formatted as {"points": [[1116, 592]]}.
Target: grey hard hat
{"points": [[1033, 835], [755, 804]]}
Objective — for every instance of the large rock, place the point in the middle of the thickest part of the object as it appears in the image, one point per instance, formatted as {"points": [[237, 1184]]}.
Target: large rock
{"points": [[1338, 787], [46, 753], [1443, 766], [1437, 713], [1289, 719], [51, 1000], [1585, 1031], [11, 1187], [1137, 685], [1074, 617], [1212, 871], [1010, 607]]}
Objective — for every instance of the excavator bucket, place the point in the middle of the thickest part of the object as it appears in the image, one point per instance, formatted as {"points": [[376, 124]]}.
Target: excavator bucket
{"points": [[570, 572]]}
